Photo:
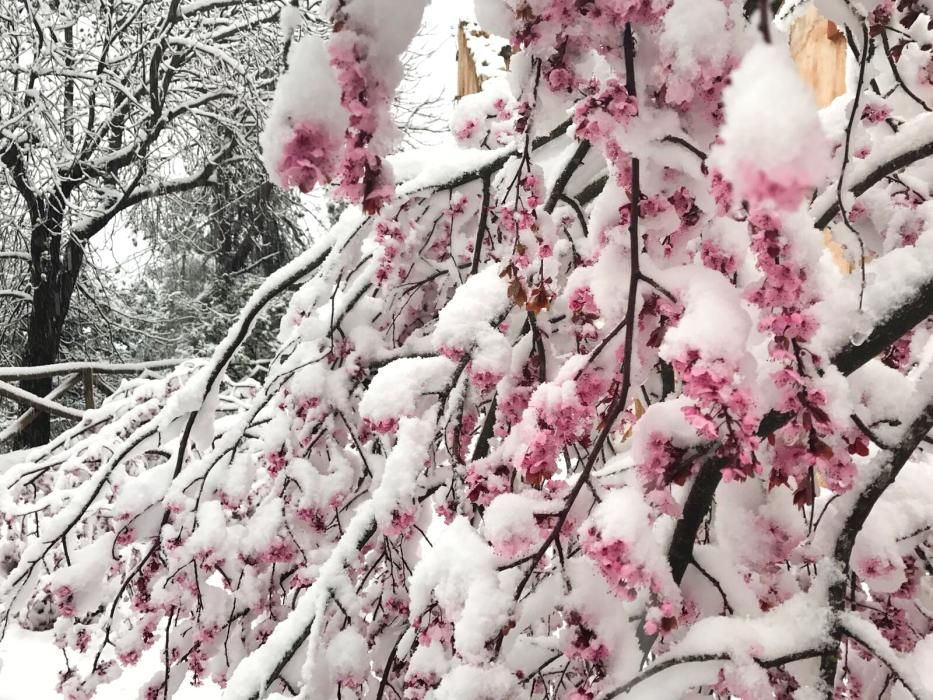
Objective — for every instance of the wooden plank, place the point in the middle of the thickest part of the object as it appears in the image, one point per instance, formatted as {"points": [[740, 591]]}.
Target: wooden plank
{"points": [[468, 81], [17, 373], [30, 415], [41, 403], [88, 376], [819, 49]]}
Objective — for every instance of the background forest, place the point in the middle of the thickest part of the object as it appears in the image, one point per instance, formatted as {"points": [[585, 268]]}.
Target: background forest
{"points": [[138, 214]]}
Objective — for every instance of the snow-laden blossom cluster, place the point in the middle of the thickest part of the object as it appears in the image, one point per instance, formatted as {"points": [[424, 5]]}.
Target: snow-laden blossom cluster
{"points": [[330, 120], [579, 405]]}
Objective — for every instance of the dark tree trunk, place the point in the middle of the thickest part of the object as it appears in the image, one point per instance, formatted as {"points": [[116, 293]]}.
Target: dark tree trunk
{"points": [[54, 271]]}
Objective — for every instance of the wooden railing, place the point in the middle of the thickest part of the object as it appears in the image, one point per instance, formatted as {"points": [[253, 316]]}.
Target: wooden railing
{"points": [[71, 374]]}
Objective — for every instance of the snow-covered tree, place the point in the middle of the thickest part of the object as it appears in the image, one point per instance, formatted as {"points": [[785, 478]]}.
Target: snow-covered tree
{"points": [[106, 105], [208, 248], [578, 407]]}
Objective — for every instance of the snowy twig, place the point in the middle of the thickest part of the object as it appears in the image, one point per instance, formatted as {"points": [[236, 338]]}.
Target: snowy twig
{"points": [[892, 462]]}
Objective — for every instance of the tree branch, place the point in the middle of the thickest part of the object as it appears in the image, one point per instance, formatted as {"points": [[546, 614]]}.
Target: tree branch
{"points": [[895, 460], [672, 662], [905, 152]]}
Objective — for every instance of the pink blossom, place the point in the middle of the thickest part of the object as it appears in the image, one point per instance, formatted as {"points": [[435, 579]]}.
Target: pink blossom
{"points": [[618, 562], [874, 113], [786, 187], [276, 461], [279, 551], [540, 459], [129, 657], [722, 191], [400, 524], [308, 158], [584, 642]]}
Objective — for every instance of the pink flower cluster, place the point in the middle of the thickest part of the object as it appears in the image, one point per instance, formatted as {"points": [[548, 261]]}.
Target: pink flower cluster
{"points": [[490, 127], [485, 480], [661, 619], [513, 404], [811, 439], [63, 598], [722, 406], [400, 524], [722, 191], [364, 177], [599, 115], [881, 14], [619, 564], [276, 461], [583, 642], [382, 426], [715, 258], [308, 158], [388, 234], [876, 112], [698, 90], [517, 214], [617, 13], [782, 290], [483, 379], [895, 625], [563, 413], [584, 314], [785, 186], [418, 685], [663, 464], [778, 541], [539, 461]]}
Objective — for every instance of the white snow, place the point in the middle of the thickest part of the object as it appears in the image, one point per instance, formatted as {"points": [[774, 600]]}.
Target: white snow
{"points": [[477, 683], [29, 661], [785, 143], [459, 572], [402, 385], [307, 93]]}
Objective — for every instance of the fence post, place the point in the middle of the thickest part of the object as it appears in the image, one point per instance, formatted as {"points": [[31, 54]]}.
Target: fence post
{"points": [[88, 388]]}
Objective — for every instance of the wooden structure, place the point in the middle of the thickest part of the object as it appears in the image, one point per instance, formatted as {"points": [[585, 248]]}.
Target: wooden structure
{"points": [[90, 376], [479, 57], [819, 49], [468, 81], [71, 374]]}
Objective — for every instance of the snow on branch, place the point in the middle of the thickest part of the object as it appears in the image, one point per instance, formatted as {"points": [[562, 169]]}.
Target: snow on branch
{"points": [[577, 405], [869, 637], [16, 294], [223, 56], [901, 150]]}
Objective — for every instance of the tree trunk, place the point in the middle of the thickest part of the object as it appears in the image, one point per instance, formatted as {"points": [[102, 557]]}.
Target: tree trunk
{"points": [[54, 274]]}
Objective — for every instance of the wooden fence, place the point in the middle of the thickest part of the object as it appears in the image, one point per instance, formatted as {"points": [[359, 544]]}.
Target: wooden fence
{"points": [[89, 374]]}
